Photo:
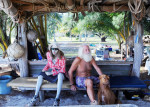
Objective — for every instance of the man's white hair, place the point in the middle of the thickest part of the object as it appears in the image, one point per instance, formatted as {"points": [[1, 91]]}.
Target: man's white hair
{"points": [[80, 51]]}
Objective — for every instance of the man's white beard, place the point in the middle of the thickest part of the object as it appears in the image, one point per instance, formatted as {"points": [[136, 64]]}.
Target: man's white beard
{"points": [[87, 57]]}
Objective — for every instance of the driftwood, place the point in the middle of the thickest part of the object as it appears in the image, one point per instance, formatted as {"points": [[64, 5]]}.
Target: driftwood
{"points": [[138, 49], [23, 61], [9, 9]]}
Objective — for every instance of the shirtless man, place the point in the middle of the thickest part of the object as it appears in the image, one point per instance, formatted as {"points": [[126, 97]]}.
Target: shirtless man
{"points": [[83, 66]]}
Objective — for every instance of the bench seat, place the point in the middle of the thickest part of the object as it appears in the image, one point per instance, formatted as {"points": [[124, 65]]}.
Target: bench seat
{"points": [[29, 83], [116, 83]]}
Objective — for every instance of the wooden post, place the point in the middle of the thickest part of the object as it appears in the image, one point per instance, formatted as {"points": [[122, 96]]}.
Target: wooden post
{"points": [[23, 62], [138, 49]]}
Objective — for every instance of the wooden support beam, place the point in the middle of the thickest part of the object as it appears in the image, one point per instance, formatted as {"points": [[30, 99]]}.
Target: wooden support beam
{"points": [[23, 62], [45, 16], [41, 25], [38, 8], [20, 2]]}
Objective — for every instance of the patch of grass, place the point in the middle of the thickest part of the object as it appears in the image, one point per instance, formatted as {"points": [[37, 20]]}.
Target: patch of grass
{"points": [[75, 54], [90, 40]]}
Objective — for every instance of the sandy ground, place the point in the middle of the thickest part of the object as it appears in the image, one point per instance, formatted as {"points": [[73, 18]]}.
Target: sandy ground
{"points": [[19, 98]]}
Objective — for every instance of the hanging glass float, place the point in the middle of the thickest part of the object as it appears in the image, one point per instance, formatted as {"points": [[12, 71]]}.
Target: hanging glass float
{"points": [[15, 50], [32, 35]]}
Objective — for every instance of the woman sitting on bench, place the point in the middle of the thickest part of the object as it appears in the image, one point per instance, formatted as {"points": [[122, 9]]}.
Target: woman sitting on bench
{"points": [[53, 72]]}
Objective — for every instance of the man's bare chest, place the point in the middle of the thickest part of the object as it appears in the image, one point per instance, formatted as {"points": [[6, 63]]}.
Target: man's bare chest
{"points": [[85, 65]]}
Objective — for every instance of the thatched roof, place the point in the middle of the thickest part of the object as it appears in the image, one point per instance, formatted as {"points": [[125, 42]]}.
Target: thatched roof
{"points": [[42, 6], [35, 7], [38, 6]]}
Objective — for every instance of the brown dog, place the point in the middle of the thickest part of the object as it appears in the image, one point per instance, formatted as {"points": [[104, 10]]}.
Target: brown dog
{"points": [[105, 94]]}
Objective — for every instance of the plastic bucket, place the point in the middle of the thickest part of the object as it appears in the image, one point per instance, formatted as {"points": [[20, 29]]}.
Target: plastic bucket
{"points": [[4, 89]]}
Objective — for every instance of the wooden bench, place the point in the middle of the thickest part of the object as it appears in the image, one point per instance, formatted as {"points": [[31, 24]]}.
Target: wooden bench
{"points": [[118, 83], [119, 72]]}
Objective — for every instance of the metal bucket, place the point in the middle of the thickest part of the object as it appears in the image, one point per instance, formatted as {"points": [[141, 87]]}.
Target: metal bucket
{"points": [[4, 89]]}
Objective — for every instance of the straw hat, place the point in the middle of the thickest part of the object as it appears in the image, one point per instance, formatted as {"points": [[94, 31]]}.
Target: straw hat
{"points": [[54, 45]]}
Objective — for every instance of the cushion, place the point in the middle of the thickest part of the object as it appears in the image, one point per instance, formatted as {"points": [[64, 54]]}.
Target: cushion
{"points": [[126, 82]]}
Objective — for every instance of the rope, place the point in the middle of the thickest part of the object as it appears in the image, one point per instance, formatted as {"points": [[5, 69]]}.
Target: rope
{"points": [[45, 4], [92, 5], [12, 16], [7, 7], [57, 5], [140, 15], [70, 7], [33, 8], [3, 5], [137, 6], [138, 10], [114, 7]]}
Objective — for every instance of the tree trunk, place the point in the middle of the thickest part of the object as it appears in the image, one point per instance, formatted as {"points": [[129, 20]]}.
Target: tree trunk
{"points": [[103, 39], [54, 37], [80, 38], [23, 62], [138, 50], [70, 37], [125, 34]]}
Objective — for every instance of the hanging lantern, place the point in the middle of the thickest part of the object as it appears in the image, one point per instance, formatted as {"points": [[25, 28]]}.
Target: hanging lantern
{"points": [[15, 50], [32, 35]]}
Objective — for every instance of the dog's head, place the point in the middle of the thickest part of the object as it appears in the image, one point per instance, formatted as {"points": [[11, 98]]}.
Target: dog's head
{"points": [[104, 79]]}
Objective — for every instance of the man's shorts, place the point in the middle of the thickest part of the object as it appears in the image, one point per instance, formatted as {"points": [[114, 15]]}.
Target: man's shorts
{"points": [[80, 81]]}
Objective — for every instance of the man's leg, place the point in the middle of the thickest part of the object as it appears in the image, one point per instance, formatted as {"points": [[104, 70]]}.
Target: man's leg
{"points": [[90, 91]]}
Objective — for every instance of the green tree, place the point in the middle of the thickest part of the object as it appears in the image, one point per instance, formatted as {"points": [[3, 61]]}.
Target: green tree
{"points": [[106, 24], [6, 27], [68, 23], [146, 25], [53, 23]]}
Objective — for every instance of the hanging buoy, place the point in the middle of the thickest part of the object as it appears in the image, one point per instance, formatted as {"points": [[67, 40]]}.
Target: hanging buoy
{"points": [[32, 35], [15, 50]]}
